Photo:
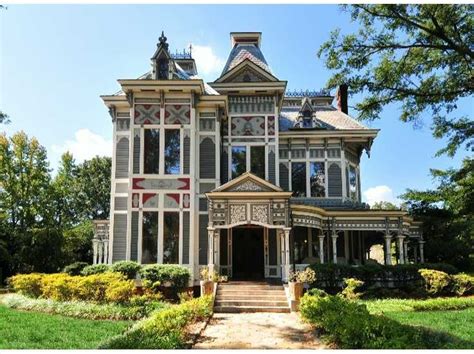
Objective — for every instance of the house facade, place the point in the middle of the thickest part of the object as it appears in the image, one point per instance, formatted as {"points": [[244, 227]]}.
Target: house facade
{"points": [[239, 174]]}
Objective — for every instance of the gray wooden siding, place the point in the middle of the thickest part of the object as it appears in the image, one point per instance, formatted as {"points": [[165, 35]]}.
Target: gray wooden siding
{"points": [[134, 240], [120, 237], [334, 181], [187, 154], [271, 167], [186, 231], [136, 151], [284, 176], [203, 221], [207, 158], [121, 160], [121, 203], [121, 188]]}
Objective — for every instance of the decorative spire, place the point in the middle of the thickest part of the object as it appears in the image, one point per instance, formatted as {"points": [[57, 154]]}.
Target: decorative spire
{"points": [[163, 41]]}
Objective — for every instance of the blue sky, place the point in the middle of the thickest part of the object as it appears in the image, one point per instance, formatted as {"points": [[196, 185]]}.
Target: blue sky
{"points": [[57, 59]]}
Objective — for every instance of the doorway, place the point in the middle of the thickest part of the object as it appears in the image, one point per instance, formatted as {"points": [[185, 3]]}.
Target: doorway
{"points": [[248, 253]]}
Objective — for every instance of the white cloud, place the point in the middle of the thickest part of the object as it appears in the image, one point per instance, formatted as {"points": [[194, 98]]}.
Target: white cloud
{"points": [[380, 194], [206, 61], [85, 145]]}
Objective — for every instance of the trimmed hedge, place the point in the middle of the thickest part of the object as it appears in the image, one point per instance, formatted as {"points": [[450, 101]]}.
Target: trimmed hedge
{"points": [[106, 287], [350, 325], [171, 275], [164, 329], [82, 309], [75, 268], [128, 268], [95, 269]]}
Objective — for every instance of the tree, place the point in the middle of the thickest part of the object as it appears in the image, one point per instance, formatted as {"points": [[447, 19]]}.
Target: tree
{"points": [[447, 215], [418, 55], [384, 206], [4, 118], [24, 180], [93, 188]]}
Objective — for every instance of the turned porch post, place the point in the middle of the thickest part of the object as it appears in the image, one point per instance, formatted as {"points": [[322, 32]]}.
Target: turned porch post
{"points": [[334, 247], [400, 239], [405, 250], [286, 266], [321, 248], [388, 249], [210, 249], [422, 254]]}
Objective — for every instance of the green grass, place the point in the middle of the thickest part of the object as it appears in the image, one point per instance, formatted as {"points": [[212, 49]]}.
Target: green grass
{"points": [[31, 330], [454, 316]]}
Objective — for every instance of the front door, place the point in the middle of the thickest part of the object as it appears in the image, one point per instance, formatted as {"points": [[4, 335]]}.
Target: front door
{"points": [[247, 253]]}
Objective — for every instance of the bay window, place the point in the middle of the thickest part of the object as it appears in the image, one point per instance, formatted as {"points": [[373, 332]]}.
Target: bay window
{"points": [[152, 151], [239, 160], [172, 151], [317, 179], [298, 179], [257, 161]]}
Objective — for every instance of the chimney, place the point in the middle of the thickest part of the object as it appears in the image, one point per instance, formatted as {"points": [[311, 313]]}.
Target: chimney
{"points": [[341, 97]]}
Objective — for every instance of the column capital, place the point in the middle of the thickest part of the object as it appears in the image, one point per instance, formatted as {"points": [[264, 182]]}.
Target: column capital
{"points": [[400, 236], [387, 236], [334, 236], [321, 236], [421, 242]]}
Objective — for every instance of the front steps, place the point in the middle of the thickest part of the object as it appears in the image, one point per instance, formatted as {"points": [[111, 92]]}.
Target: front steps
{"points": [[248, 296]]}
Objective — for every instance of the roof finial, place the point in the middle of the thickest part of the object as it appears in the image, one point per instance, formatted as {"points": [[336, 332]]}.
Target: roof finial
{"points": [[162, 40]]}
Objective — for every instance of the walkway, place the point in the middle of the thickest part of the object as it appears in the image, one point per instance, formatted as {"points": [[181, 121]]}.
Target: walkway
{"points": [[257, 331]]}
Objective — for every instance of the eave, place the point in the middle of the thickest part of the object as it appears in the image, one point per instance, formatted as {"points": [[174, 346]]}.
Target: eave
{"points": [[185, 86], [336, 133]]}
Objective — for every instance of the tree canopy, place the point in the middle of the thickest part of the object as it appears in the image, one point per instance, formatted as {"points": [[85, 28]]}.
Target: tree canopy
{"points": [[420, 56]]}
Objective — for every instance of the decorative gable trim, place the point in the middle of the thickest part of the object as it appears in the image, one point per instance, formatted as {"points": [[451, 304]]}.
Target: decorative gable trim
{"points": [[248, 182], [253, 68]]}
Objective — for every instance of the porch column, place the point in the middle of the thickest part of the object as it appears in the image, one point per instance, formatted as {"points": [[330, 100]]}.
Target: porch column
{"points": [[101, 249], [217, 249], [400, 239], [94, 247], [286, 265], [210, 249], [422, 254], [388, 249], [405, 250], [106, 252], [415, 253], [321, 248], [334, 247]]}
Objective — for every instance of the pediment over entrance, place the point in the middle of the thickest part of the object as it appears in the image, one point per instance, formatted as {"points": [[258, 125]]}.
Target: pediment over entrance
{"points": [[248, 182]]}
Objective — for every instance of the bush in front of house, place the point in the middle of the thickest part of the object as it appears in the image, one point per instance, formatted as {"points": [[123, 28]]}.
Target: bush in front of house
{"points": [[352, 288], [83, 309], [165, 329], [436, 283], [95, 269], [171, 275], [350, 325], [75, 268], [128, 268], [102, 287], [463, 284]]}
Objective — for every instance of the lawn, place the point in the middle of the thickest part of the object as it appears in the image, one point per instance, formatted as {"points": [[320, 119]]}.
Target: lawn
{"points": [[32, 330], [459, 324]]}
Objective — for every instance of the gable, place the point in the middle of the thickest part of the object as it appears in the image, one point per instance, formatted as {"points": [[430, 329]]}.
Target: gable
{"points": [[247, 69], [248, 182]]}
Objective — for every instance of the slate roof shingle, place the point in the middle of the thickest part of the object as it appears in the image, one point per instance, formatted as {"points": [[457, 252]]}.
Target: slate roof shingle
{"points": [[240, 52]]}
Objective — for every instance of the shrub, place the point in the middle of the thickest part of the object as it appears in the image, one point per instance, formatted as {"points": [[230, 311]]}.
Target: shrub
{"points": [[75, 268], [317, 292], [81, 309], [443, 304], [350, 291], [164, 329], [95, 269], [119, 291], [463, 284], [27, 284], [59, 286], [167, 275], [436, 282], [350, 325], [94, 287], [127, 268]]}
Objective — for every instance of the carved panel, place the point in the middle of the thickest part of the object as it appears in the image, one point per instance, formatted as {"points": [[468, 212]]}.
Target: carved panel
{"points": [[247, 186], [147, 114], [248, 126], [177, 114], [238, 213], [260, 213]]}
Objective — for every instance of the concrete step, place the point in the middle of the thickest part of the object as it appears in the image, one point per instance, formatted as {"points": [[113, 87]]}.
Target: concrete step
{"points": [[250, 286], [249, 291], [252, 303], [238, 309], [274, 297]]}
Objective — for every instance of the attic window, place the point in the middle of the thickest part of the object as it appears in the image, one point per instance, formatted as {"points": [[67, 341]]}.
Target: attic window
{"points": [[163, 68], [307, 119]]}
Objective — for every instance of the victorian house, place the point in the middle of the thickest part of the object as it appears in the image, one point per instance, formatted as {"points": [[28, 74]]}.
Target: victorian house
{"points": [[239, 174]]}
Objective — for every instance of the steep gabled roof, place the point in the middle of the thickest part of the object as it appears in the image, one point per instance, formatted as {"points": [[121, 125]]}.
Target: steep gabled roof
{"points": [[243, 51]]}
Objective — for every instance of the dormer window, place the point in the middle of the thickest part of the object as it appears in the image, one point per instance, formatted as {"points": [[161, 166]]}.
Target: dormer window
{"points": [[307, 119], [163, 68]]}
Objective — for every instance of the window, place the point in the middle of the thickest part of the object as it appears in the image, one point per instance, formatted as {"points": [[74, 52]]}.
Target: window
{"points": [[150, 237], [257, 161], [239, 160], [352, 183], [172, 151], [163, 65], [298, 179], [307, 119], [171, 238], [152, 151], [317, 180], [300, 235]]}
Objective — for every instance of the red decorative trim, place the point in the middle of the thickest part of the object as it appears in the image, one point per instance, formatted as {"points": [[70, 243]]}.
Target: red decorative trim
{"points": [[174, 196], [186, 181], [135, 182], [147, 196]]}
